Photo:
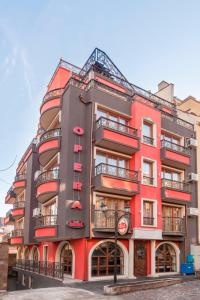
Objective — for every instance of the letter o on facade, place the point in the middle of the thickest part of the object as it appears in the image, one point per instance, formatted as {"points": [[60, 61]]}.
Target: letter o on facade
{"points": [[78, 130]]}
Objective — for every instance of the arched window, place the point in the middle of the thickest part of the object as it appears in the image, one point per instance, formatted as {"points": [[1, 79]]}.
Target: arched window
{"points": [[166, 259], [66, 258], [103, 260]]}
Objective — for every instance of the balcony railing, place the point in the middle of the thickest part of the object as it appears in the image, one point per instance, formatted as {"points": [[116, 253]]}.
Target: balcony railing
{"points": [[53, 269], [53, 94], [148, 221], [20, 177], [148, 140], [177, 120], [48, 176], [173, 225], [106, 219], [147, 180], [17, 232], [121, 173], [176, 185], [53, 133], [8, 213], [19, 204], [46, 221], [122, 128], [175, 147]]}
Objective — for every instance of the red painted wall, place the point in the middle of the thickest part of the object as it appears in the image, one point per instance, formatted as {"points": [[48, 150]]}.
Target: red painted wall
{"points": [[140, 111], [177, 157], [18, 212], [59, 79], [18, 184], [119, 184], [48, 145], [51, 186], [45, 232], [120, 138], [50, 104], [172, 194]]}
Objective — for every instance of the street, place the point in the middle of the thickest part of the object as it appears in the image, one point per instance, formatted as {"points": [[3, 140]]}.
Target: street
{"points": [[184, 291]]}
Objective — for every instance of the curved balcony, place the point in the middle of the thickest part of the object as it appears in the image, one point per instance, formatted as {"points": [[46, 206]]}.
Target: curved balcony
{"points": [[10, 197], [49, 145], [9, 220], [19, 183], [18, 210], [46, 226], [17, 237], [50, 107], [47, 185], [113, 179]]}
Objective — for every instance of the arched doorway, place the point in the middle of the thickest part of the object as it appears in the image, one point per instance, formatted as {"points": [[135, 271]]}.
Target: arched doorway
{"points": [[26, 254], [66, 259], [166, 258], [102, 260]]}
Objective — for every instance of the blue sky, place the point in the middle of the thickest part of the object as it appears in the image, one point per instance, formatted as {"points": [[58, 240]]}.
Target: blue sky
{"points": [[149, 40]]}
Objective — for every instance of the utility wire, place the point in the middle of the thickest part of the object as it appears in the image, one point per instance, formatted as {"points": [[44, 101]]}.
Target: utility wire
{"points": [[6, 169]]}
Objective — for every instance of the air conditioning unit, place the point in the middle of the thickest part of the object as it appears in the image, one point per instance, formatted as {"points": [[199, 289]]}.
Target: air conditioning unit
{"points": [[193, 211], [192, 177], [36, 212], [192, 143]]}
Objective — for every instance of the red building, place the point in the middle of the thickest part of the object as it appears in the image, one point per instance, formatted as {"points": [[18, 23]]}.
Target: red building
{"points": [[104, 144]]}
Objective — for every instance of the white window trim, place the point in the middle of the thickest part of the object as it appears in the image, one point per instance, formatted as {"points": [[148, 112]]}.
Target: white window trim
{"points": [[155, 212], [155, 173], [149, 120]]}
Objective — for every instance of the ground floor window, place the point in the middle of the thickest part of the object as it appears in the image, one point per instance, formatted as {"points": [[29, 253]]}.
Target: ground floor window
{"points": [[166, 259], [103, 260], [66, 258]]}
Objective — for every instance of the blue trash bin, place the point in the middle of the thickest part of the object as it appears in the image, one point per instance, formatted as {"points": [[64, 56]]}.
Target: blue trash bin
{"points": [[187, 269], [190, 259]]}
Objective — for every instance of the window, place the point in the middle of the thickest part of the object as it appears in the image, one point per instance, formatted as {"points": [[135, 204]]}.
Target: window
{"points": [[112, 121], [147, 171], [172, 219], [172, 179], [49, 212], [103, 260], [147, 130], [148, 213], [170, 138], [66, 259], [165, 259], [111, 165], [107, 220]]}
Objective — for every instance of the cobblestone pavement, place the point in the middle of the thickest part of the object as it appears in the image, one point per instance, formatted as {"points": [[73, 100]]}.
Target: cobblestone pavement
{"points": [[186, 291]]}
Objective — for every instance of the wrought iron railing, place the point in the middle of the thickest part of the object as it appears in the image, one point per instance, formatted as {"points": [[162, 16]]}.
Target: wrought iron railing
{"points": [[173, 225], [48, 176], [52, 94], [176, 185], [177, 120], [52, 133], [8, 213], [52, 269], [106, 219], [148, 221], [11, 192], [46, 220], [20, 177], [17, 232], [19, 204], [122, 128], [111, 170], [148, 140], [147, 180], [175, 147]]}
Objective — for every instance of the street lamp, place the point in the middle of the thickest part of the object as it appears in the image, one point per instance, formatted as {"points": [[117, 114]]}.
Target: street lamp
{"points": [[117, 218]]}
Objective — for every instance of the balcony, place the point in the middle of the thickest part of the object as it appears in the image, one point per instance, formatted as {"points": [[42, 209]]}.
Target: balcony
{"points": [[17, 237], [105, 220], [50, 107], [116, 136], [116, 180], [10, 197], [52, 269], [175, 155], [49, 145], [18, 210], [19, 183], [9, 220], [175, 191], [47, 185], [46, 226], [173, 226]]}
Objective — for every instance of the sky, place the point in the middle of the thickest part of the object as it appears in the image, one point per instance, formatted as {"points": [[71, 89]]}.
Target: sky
{"points": [[149, 41]]}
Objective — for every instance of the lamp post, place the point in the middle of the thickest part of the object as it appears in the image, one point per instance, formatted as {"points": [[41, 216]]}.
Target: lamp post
{"points": [[104, 208]]}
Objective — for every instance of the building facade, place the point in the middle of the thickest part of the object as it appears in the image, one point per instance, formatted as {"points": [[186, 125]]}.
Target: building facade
{"points": [[104, 146]]}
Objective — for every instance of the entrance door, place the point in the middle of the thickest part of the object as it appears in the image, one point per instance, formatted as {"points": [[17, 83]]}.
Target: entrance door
{"points": [[140, 258]]}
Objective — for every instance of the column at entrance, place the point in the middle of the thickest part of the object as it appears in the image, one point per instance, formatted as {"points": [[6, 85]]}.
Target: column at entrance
{"points": [[153, 259], [131, 260]]}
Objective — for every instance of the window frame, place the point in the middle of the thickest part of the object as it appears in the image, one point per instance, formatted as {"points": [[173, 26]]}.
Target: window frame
{"points": [[154, 169], [155, 210]]}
